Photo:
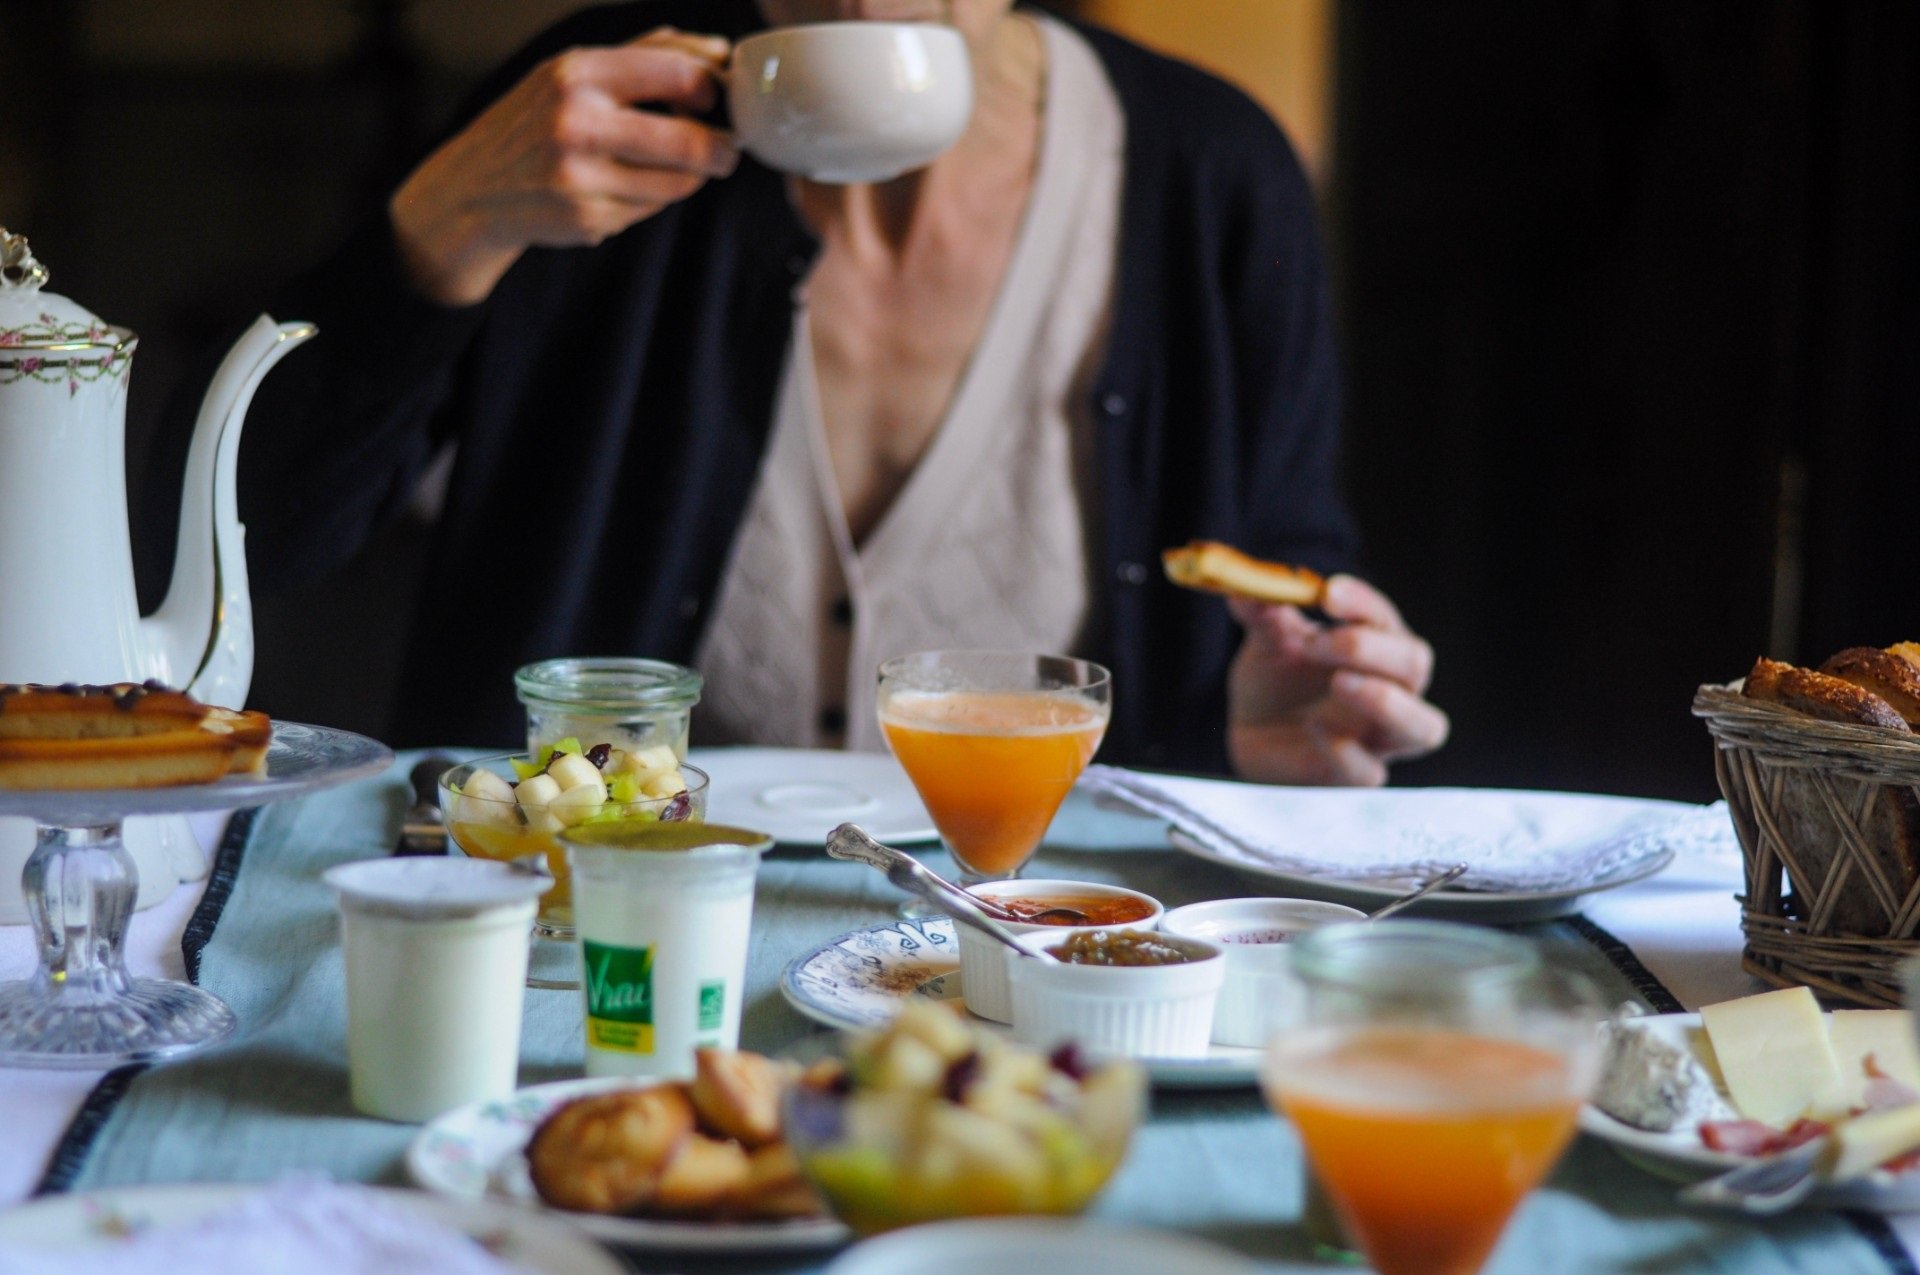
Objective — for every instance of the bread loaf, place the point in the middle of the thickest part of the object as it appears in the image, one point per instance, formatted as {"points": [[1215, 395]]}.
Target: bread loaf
{"points": [[1820, 695], [1891, 677], [1868, 687]]}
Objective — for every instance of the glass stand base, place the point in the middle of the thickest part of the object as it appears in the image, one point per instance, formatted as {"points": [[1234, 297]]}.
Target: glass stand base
{"points": [[152, 1019]]}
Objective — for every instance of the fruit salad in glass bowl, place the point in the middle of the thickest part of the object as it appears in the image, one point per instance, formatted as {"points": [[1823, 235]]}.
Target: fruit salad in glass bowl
{"points": [[937, 1117], [515, 805]]}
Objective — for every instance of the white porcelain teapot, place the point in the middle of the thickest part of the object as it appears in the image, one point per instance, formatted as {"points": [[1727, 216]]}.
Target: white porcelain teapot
{"points": [[67, 606]]}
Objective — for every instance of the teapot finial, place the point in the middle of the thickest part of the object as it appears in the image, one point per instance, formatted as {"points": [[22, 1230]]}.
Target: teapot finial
{"points": [[18, 269]]}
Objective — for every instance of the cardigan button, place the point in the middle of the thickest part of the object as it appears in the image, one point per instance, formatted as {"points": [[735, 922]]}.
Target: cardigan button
{"points": [[689, 606], [1114, 405], [796, 265], [1134, 573]]}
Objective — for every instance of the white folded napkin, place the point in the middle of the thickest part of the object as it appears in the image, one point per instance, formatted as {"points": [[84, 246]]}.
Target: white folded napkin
{"points": [[1512, 841], [298, 1227]]}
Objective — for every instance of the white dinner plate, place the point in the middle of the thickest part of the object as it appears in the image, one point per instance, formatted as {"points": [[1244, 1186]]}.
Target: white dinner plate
{"points": [[478, 1152], [1678, 1155], [799, 795], [91, 1220], [1043, 1244], [858, 980], [1480, 907]]}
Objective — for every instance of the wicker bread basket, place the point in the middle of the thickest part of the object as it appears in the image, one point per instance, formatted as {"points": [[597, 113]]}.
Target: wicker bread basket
{"points": [[1828, 816]]}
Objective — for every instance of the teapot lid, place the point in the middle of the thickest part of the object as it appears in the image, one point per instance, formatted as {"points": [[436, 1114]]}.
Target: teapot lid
{"points": [[34, 320]]}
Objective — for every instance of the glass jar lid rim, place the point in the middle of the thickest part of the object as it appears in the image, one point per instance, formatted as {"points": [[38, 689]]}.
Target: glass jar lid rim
{"points": [[608, 684], [1356, 955]]}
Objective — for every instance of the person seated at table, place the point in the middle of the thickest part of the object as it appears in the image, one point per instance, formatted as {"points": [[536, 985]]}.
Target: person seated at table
{"points": [[783, 430]]}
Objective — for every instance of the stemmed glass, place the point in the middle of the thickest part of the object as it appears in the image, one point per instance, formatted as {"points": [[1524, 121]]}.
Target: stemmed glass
{"points": [[1435, 1074], [993, 741]]}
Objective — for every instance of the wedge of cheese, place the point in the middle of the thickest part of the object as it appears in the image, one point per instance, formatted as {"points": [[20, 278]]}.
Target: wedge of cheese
{"points": [[1775, 1057], [1864, 1143], [1884, 1035]]}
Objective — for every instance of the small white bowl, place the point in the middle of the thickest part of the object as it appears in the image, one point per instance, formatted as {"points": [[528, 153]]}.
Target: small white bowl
{"points": [[1131, 1011], [851, 101], [983, 962], [1257, 998]]}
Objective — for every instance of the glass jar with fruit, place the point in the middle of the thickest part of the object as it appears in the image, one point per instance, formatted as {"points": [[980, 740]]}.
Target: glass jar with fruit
{"points": [[511, 806], [629, 703], [936, 1117]]}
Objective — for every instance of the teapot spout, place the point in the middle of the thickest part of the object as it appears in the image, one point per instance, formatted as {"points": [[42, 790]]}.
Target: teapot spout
{"points": [[201, 637]]}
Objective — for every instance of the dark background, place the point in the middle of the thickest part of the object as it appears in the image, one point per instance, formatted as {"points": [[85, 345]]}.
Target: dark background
{"points": [[1627, 293]]}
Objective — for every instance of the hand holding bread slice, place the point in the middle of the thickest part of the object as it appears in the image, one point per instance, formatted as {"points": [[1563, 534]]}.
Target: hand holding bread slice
{"points": [[1213, 567]]}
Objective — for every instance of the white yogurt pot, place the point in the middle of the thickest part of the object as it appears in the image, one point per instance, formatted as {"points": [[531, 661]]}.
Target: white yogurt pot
{"points": [[983, 962], [436, 970], [1258, 997], [1133, 1011]]}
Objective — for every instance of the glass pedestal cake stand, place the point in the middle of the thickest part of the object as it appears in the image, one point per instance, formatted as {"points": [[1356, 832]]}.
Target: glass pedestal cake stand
{"points": [[81, 1009]]}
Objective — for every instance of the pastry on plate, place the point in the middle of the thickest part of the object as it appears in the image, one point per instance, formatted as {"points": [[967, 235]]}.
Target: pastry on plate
{"points": [[123, 735], [707, 1150]]}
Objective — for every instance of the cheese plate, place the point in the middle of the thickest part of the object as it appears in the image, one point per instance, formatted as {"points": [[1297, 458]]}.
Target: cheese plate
{"points": [[1679, 1156]]}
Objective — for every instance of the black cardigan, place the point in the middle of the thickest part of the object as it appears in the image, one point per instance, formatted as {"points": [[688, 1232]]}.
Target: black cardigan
{"points": [[612, 404]]}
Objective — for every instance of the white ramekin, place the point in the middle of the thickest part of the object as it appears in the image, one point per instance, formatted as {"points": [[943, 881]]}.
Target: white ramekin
{"points": [[1135, 1011], [983, 962], [1258, 996]]}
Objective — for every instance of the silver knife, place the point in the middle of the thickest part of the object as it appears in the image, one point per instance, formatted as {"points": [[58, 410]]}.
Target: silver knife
{"points": [[421, 829]]}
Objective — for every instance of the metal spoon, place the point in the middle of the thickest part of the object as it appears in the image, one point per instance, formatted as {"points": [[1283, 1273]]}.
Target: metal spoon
{"points": [[1419, 892], [992, 907], [851, 842]]}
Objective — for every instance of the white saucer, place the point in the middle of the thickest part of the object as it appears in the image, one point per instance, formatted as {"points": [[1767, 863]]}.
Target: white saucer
{"points": [[799, 795], [1449, 904]]}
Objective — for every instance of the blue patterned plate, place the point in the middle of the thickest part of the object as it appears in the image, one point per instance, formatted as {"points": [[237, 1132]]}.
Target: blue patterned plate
{"points": [[859, 979]]}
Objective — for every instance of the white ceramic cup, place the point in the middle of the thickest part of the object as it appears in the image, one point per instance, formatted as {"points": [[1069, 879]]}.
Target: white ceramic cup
{"points": [[1130, 1011], [1257, 998], [436, 964], [850, 101], [983, 962]]}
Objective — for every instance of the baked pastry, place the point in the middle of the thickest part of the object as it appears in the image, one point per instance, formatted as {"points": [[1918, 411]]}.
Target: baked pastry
{"points": [[1892, 677], [776, 1188], [1217, 568], [700, 1176], [605, 1153], [702, 1150], [737, 1095], [1820, 695], [123, 735]]}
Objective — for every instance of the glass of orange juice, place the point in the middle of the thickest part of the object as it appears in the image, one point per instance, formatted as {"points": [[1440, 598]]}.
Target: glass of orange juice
{"points": [[993, 741], [1434, 1074]]}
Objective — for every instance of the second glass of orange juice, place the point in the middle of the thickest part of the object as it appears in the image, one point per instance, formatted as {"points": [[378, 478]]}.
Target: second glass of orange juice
{"points": [[993, 741], [1435, 1077]]}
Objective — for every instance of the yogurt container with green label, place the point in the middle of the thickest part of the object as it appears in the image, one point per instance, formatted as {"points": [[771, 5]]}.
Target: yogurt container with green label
{"points": [[662, 912]]}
